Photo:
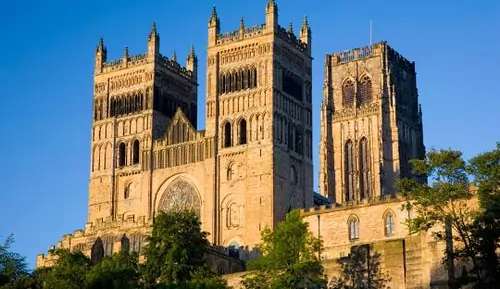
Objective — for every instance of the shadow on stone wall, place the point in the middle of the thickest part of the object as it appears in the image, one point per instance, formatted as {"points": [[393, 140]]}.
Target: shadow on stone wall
{"points": [[360, 269]]}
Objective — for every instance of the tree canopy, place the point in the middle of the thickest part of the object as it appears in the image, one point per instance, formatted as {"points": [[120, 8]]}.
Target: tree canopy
{"points": [[289, 257]]}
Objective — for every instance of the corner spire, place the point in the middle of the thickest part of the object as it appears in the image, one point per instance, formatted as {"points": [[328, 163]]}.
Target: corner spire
{"points": [[192, 54], [242, 23], [214, 11], [174, 56], [290, 28], [305, 23]]}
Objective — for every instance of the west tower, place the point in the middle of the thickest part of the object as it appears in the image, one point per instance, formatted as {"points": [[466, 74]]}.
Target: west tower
{"points": [[135, 99], [371, 123], [258, 108]]}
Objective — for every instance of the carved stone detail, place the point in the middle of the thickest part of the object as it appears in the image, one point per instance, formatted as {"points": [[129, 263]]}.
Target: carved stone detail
{"points": [[180, 196]]}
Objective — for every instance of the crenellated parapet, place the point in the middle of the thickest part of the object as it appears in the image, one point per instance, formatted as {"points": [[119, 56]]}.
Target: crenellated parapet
{"points": [[241, 34], [358, 53], [291, 39], [173, 66], [348, 205]]}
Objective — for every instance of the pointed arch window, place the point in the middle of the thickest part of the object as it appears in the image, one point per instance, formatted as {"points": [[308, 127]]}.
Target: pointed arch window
{"points": [[388, 224], [227, 135], [122, 154], [364, 169], [135, 152], [364, 91], [348, 93], [353, 228], [349, 170], [125, 244], [97, 251], [243, 132]]}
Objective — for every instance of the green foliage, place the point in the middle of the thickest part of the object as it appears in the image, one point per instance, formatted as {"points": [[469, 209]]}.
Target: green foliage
{"points": [[12, 265], [176, 248], [288, 258], [69, 271], [450, 202], [360, 270], [117, 272]]}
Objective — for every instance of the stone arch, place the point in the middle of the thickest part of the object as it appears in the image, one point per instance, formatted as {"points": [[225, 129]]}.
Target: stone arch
{"points": [[349, 181], [242, 131], [136, 151], [97, 251], [125, 243], [179, 193], [389, 220], [231, 171], [234, 246], [348, 92], [353, 227], [365, 90], [122, 154], [227, 133]]}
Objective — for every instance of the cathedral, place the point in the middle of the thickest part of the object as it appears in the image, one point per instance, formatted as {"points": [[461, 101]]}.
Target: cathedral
{"points": [[253, 161]]}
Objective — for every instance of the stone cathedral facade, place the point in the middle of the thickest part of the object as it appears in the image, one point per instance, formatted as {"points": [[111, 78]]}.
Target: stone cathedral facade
{"points": [[253, 162]]}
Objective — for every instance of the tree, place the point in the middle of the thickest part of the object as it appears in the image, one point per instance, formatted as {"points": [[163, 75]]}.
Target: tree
{"points": [[117, 272], [485, 230], [69, 271], [288, 258], [360, 270], [175, 254], [12, 265], [445, 203]]}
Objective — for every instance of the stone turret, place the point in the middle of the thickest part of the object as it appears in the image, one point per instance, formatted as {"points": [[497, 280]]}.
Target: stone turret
{"points": [[213, 28], [100, 56], [271, 15], [192, 62], [153, 43], [305, 34]]}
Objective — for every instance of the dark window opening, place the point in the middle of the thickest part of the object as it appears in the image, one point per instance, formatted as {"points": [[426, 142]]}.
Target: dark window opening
{"points": [[121, 155], [348, 93], [97, 251], [243, 132], [227, 135], [364, 91], [135, 152], [126, 192], [292, 86], [125, 244], [238, 80], [364, 169]]}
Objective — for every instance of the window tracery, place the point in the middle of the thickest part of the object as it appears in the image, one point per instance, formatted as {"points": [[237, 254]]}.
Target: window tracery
{"points": [[237, 80], [348, 93], [181, 196], [364, 169], [349, 170], [353, 228], [364, 91]]}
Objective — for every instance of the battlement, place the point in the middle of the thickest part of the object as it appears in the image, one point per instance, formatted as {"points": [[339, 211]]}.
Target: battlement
{"points": [[125, 62], [350, 205], [241, 33], [400, 60], [174, 66], [291, 38], [357, 53]]}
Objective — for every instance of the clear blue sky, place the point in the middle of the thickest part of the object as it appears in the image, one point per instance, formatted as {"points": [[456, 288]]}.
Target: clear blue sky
{"points": [[46, 82]]}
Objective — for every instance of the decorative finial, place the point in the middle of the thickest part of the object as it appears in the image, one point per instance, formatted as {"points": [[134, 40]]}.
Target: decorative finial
{"points": [[214, 11], [126, 52], [174, 56], [101, 43], [242, 23], [153, 29], [306, 23], [290, 28], [192, 53]]}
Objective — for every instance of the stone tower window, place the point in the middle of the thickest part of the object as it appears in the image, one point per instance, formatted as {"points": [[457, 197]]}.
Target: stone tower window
{"points": [[126, 191], [353, 223], [243, 132], [227, 135], [135, 152], [349, 170], [364, 169], [122, 154], [389, 224], [125, 244], [97, 251], [364, 91], [230, 172], [348, 93]]}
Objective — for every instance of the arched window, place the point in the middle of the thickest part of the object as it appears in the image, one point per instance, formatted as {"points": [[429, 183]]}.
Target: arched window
{"points": [[353, 223], [364, 169], [389, 224], [349, 170], [125, 244], [122, 154], [245, 78], [108, 245], [230, 172], [126, 191], [243, 132], [97, 251], [227, 135], [234, 249], [364, 91], [348, 93], [135, 152], [254, 77]]}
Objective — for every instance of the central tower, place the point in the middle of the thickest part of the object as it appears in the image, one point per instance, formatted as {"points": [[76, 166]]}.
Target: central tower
{"points": [[258, 110]]}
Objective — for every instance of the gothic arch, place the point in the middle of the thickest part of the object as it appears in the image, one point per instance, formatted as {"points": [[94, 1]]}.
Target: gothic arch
{"points": [[227, 133], [348, 92], [365, 90], [97, 251], [364, 158], [231, 171], [136, 151], [185, 189], [349, 170], [242, 131], [353, 227], [389, 220]]}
